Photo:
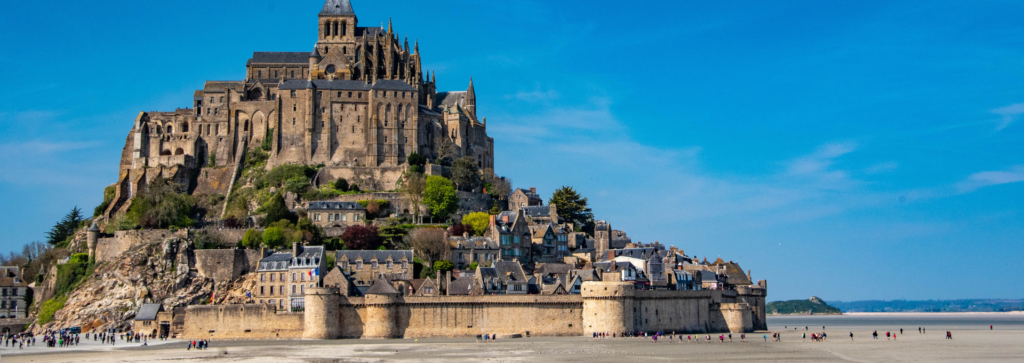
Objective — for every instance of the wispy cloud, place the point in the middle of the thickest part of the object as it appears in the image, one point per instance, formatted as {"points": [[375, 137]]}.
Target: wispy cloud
{"points": [[1009, 114], [988, 178], [882, 167]]}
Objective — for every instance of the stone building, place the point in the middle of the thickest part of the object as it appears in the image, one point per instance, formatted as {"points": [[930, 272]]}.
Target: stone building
{"points": [[550, 242], [521, 198], [362, 267], [335, 214], [512, 231], [284, 277], [464, 250], [505, 277], [13, 292], [358, 102]]}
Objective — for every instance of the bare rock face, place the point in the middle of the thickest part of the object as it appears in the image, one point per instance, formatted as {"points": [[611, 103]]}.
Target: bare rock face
{"points": [[159, 272]]}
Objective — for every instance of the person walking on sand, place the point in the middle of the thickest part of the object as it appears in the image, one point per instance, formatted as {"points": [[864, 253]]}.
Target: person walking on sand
{"points": [[989, 327], [803, 337], [851, 336], [949, 334], [766, 338], [886, 335], [730, 337], [743, 338]]}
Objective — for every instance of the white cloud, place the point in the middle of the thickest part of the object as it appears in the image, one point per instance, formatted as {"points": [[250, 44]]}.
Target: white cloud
{"points": [[1009, 114], [988, 178], [882, 167]]}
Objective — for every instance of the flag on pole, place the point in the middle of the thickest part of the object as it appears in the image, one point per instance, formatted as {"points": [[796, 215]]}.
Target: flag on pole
{"points": [[316, 271]]}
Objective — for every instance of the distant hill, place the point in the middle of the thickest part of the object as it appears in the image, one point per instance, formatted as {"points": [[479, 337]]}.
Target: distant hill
{"points": [[936, 306], [814, 305]]}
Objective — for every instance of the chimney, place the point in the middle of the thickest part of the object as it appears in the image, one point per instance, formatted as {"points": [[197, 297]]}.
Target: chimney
{"points": [[504, 218], [611, 255], [553, 211], [295, 249], [465, 235], [533, 190], [493, 220]]}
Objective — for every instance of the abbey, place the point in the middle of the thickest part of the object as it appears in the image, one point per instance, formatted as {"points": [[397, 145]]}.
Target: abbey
{"points": [[358, 102]]}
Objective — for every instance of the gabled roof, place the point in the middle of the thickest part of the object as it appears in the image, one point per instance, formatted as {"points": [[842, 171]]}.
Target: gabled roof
{"points": [[644, 253], [311, 252], [382, 287], [449, 99], [280, 57], [368, 255], [537, 210], [509, 271], [335, 206], [148, 312], [393, 85], [461, 286], [554, 268], [337, 7], [472, 243]]}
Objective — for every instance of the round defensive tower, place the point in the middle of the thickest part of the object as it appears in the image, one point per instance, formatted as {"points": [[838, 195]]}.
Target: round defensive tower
{"points": [[607, 307], [322, 315], [91, 237], [381, 311]]}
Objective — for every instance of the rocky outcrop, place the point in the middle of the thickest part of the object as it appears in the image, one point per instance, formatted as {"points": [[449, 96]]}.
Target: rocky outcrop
{"points": [[161, 272]]}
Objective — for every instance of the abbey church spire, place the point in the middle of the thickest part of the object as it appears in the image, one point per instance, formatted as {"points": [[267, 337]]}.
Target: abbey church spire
{"points": [[471, 98]]}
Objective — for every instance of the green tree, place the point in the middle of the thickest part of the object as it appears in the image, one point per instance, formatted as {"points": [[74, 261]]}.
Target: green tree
{"points": [[443, 265], [268, 141], [162, 204], [465, 173], [65, 228], [252, 239], [273, 237], [572, 207], [473, 266], [495, 209], [439, 195], [276, 209], [478, 222]]}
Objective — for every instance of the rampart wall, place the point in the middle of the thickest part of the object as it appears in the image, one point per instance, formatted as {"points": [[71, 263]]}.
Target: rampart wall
{"points": [[606, 307], [107, 249], [226, 264]]}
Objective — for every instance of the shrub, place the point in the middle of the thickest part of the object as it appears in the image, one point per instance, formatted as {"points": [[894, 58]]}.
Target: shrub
{"points": [[268, 141], [443, 266], [108, 197], [495, 209], [213, 160], [361, 237], [473, 266], [458, 229], [273, 237], [477, 223], [72, 273], [276, 210], [465, 173], [51, 307], [163, 204]]}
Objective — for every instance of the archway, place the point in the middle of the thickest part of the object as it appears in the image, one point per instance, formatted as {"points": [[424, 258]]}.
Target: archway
{"points": [[179, 151], [170, 129], [165, 153]]}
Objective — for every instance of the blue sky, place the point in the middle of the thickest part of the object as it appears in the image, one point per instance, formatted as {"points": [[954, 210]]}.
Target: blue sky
{"points": [[864, 150]]}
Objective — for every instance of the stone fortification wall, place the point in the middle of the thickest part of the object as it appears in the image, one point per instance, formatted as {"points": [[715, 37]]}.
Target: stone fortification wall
{"points": [[465, 316], [215, 180], [367, 178], [242, 321], [227, 264], [107, 249]]}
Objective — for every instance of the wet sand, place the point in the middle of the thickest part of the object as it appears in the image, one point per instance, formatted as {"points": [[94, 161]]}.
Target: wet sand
{"points": [[971, 343]]}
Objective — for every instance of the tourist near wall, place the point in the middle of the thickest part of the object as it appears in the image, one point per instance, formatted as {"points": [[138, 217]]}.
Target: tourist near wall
{"points": [[605, 307]]}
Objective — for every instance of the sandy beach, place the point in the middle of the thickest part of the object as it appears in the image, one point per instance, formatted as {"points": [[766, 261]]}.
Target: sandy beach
{"points": [[970, 343]]}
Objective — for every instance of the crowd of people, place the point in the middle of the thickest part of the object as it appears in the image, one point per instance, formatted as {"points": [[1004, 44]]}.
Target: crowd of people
{"points": [[19, 340], [776, 337]]}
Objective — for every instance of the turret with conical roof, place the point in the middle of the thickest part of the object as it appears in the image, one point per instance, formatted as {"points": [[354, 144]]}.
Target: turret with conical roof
{"points": [[471, 98]]}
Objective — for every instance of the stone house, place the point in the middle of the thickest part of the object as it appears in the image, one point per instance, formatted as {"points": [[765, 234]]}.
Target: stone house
{"points": [[362, 267], [521, 198], [337, 279], [617, 271], [606, 238], [647, 259], [13, 293], [151, 320], [550, 242], [512, 232], [505, 277], [424, 287], [284, 277], [464, 250], [682, 280], [335, 214]]}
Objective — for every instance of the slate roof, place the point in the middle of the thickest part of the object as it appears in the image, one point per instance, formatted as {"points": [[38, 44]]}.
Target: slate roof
{"points": [[279, 57], [735, 274], [472, 243], [587, 274], [369, 31], [644, 253], [461, 286], [368, 255], [607, 266], [311, 252], [147, 312], [554, 268], [509, 271], [382, 287], [452, 98], [335, 206], [529, 194], [337, 7], [393, 85], [537, 210]]}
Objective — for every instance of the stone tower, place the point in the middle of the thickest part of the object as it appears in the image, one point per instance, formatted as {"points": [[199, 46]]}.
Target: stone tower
{"points": [[322, 317], [381, 311], [471, 98], [92, 236], [607, 307]]}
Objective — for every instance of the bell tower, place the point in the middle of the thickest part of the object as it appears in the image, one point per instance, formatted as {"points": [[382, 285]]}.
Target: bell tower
{"points": [[337, 28]]}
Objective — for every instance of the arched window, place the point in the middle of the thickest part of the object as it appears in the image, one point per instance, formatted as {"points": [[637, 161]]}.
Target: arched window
{"points": [[344, 50], [344, 28], [327, 29], [387, 114], [179, 151], [165, 153], [184, 127], [170, 129], [302, 289], [246, 127]]}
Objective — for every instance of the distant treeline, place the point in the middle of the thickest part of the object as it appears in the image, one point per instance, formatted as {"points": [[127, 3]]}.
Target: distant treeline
{"points": [[935, 306]]}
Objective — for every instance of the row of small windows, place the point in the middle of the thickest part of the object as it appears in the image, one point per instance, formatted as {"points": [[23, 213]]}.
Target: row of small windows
{"points": [[13, 305], [14, 292], [373, 265], [259, 75]]}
